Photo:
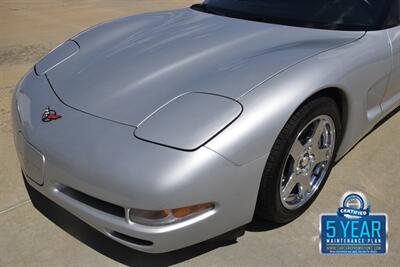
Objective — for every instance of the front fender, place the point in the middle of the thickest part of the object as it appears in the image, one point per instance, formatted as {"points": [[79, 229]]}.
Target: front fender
{"points": [[360, 70]]}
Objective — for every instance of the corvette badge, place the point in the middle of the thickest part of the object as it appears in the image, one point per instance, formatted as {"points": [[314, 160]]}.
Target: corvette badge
{"points": [[50, 115]]}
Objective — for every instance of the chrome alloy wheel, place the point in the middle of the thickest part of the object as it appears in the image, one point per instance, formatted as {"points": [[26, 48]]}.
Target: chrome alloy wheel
{"points": [[307, 162]]}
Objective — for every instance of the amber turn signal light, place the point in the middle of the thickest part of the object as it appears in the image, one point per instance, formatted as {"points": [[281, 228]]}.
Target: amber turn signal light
{"points": [[167, 216]]}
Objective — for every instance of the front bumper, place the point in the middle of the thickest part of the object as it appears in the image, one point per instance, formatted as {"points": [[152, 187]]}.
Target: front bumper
{"points": [[102, 161]]}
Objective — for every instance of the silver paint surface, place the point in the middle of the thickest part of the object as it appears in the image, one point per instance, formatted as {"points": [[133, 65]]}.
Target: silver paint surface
{"points": [[127, 70], [146, 61], [207, 116]]}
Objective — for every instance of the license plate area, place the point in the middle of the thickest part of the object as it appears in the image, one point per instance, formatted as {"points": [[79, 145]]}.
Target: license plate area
{"points": [[32, 161]]}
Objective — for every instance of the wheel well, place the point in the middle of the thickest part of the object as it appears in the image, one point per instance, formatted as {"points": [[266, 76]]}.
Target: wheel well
{"points": [[340, 99]]}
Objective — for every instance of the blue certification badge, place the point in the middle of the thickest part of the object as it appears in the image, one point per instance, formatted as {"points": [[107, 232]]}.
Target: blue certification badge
{"points": [[353, 229]]}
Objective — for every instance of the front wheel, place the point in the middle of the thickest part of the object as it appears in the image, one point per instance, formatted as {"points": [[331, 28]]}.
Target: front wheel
{"points": [[300, 161]]}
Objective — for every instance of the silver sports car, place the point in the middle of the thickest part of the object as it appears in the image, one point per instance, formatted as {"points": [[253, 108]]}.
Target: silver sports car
{"points": [[167, 129]]}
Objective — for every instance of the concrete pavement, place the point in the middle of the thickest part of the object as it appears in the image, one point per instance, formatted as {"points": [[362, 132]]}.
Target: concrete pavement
{"points": [[28, 30]]}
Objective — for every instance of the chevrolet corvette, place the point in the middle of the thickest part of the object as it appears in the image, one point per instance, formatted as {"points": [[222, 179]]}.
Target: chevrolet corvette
{"points": [[167, 129]]}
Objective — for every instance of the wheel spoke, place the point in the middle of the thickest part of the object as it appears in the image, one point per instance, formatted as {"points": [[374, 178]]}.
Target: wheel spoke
{"points": [[292, 182], [305, 183], [321, 154], [318, 132], [297, 149], [308, 145]]}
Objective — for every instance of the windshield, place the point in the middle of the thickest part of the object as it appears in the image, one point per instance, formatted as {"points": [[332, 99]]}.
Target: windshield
{"points": [[325, 14]]}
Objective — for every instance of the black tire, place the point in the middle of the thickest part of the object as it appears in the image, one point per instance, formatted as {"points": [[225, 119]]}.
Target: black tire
{"points": [[269, 205]]}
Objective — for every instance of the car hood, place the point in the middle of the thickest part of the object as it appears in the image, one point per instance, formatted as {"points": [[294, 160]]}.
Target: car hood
{"points": [[126, 69]]}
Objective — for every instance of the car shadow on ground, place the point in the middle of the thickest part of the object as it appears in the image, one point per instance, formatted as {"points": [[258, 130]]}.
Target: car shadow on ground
{"points": [[122, 254]]}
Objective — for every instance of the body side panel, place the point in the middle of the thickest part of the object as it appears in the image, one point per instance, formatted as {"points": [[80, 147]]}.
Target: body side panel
{"points": [[354, 68], [392, 96]]}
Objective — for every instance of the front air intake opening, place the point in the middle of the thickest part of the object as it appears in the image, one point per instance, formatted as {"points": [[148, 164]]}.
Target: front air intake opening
{"points": [[131, 239], [96, 203]]}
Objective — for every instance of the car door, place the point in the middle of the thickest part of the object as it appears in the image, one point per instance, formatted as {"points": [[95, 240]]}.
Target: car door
{"points": [[392, 94]]}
